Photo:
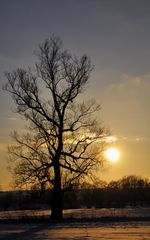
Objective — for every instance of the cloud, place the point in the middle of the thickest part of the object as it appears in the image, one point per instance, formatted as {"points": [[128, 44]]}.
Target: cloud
{"points": [[12, 118], [129, 85], [136, 139], [126, 104]]}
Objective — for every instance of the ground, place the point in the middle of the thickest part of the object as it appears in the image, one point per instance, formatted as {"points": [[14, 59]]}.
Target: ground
{"points": [[76, 231], [79, 224]]}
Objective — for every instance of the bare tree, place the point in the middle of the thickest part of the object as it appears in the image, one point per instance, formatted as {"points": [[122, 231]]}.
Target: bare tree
{"points": [[64, 142]]}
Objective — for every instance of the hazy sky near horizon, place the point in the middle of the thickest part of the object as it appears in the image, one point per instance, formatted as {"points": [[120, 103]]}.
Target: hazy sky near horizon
{"points": [[116, 36]]}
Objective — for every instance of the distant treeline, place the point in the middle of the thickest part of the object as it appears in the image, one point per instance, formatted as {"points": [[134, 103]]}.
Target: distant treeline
{"points": [[128, 191]]}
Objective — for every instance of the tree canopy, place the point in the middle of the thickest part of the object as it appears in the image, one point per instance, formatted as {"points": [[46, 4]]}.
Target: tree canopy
{"points": [[64, 140]]}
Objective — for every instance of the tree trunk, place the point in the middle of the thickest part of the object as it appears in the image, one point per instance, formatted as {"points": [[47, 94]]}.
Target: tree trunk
{"points": [[56, 204]]}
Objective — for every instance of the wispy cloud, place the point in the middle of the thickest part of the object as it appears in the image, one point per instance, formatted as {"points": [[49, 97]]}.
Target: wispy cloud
{"points": [[12, 118], [128, 84], [136, 139], [126, 104]]}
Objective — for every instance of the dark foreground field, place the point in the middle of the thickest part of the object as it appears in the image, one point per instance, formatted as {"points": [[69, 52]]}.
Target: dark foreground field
{"points": [[78, 224], [76, 231]]}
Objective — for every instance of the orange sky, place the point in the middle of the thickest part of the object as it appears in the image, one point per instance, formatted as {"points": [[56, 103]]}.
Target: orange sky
{"points": [[116, 36]]}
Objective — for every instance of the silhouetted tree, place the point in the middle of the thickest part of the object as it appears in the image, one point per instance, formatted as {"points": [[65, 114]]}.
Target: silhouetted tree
{"points": [[135, 189], [65, 141], [129, 190]]}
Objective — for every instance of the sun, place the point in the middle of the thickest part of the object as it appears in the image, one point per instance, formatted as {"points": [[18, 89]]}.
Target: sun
{"points": [[112, 154]]}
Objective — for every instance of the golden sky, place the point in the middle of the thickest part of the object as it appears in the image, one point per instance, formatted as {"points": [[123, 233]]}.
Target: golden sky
{"points": [[116, 35]]}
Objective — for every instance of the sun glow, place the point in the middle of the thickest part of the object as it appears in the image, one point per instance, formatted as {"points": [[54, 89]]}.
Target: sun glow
{"points": [[112, 154]]}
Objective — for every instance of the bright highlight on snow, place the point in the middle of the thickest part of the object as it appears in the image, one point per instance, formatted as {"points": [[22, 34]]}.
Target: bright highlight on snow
{"points": [[112, 154]]}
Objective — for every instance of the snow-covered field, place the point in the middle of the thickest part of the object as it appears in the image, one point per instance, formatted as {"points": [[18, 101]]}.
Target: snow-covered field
{"points": [[76, 231], [80, 213]]}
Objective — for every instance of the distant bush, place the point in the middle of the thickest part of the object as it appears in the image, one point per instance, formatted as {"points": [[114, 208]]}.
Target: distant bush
{"points": [[130, 190]]}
